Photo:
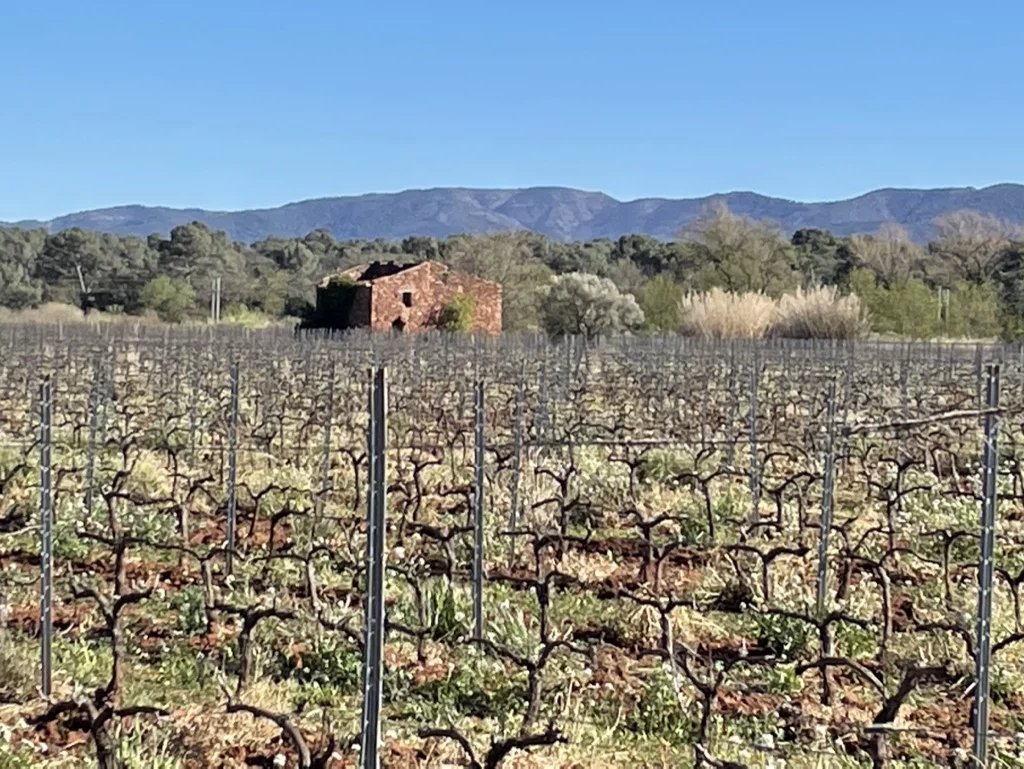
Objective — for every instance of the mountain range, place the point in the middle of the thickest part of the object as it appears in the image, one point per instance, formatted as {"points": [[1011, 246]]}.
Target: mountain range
{"points": [[558, 212]]}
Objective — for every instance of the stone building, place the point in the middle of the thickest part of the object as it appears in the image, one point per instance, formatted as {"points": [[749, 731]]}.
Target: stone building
{"points": [[386, 296]]}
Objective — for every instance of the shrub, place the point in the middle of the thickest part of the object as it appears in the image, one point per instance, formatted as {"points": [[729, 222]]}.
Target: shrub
{"points": [[906, 308], [718, 314], [240, 315], [912, 309], [818, 313], [786, 637], [328, 660], [457, 315], [660, 300], [17, 676], [580, 304], [973, 311], [171, 299], [659, 713]]}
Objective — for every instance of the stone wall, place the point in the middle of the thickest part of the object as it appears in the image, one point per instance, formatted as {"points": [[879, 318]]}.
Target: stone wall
{"points": [[412, 300], [359, 315]]}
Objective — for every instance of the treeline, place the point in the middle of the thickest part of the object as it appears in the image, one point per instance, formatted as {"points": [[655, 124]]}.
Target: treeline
{"points": [[969, 281]]}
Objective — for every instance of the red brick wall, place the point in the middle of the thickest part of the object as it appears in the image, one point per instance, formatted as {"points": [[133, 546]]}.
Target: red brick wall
{"points": [[432, 286]]}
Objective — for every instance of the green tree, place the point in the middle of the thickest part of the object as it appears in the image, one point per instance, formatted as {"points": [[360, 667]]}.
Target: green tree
{"points": [[69, 266], [651, 255], [661, 301], [128, 263], [1008, 277], [508, 258], [19, 252], [321, 242], [822, 258], [973, 311], [589, 306], [740, 254], [592, 256], [197, 254], [422, 248], [270, 293], [907, 308], [171, 298], [626, 275]]}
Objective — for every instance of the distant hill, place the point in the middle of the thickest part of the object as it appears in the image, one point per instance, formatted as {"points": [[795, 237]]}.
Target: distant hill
{"points": [[558, 212]]}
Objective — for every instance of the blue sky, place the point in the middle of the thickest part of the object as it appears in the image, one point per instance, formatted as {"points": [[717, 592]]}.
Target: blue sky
{"points": [[228, 104]]}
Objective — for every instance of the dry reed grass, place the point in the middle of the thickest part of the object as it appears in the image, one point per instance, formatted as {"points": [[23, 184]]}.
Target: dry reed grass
{"points": [[816, 313], [718, 314]]}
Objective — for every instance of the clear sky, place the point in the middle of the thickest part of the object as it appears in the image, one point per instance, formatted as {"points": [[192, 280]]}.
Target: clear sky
{"points": [[228, 104]]}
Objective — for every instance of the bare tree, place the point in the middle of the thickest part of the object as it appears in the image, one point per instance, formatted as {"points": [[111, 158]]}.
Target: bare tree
{"points": [[970, 243], [889, 253]]}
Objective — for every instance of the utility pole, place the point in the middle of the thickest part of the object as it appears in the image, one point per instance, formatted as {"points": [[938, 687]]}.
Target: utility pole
{"points": [[215, 301]]}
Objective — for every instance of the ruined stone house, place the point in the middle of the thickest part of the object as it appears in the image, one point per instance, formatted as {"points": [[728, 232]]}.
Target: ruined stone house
{"points": [[385, 296]]}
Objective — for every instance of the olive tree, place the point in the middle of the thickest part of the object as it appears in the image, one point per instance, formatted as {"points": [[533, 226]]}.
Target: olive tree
{"points": [[582, 304]]}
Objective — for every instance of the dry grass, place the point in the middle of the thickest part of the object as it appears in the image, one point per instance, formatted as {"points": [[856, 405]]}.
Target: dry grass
{"points": [[718, 314], [817, 313], [57, 313], [67, 314]]}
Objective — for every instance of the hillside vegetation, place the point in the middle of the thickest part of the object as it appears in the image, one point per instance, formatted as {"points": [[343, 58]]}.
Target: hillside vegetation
{"points": [[967, 282]]}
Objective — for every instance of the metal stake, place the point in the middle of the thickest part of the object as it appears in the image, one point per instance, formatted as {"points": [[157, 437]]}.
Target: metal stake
{"points": [[46, 539], [478, 514], [517, 470], [374, 608], [985, 571], [828, 481], [232, 467], [755, 469]]}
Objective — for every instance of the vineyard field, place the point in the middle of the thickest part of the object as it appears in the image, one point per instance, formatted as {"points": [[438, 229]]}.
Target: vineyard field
{"points": [[642, 552]]}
